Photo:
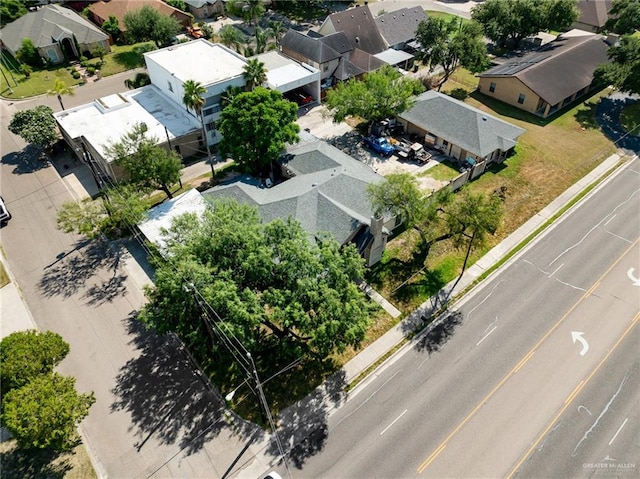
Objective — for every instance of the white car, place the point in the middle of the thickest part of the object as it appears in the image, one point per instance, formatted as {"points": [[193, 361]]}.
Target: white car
{"points": [[4, 213]]}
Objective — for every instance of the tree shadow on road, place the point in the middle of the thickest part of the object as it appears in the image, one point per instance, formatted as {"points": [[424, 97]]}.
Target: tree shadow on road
{"points": [[166, 399], [438, 334], [303, 429], [28, 160], [73, 270]]}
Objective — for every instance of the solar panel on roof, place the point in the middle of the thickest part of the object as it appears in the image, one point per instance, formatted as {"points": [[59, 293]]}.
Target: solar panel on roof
{"points": [[514, 67]]}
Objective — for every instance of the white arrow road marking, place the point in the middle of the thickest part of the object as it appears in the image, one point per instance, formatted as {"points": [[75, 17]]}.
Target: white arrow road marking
{"points": [[634, 280], [577, 336]]}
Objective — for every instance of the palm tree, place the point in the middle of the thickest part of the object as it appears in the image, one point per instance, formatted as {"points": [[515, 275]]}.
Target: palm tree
{"points": [[262, 39], [254, 73], [230, 36], [229, 95], [60, 88], [277, 29], [194, 100]]}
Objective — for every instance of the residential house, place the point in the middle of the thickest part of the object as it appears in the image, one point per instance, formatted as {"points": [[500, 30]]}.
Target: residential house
{"points": [[201, 9], [333, 55], [544, 81], [359, 26], [213, 65], [460, 130], [101, 11], [88, 129], [593, 15], [398, 29], [58, 33], [160, 105], [325, 190]]}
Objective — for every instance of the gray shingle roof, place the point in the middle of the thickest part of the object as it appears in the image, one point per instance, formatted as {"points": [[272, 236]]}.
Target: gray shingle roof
{"points": [[562, 68], [359, 25], [470, 128], [308, 47], [327, 194], [46, 24], [594, 12], [400, 26]]}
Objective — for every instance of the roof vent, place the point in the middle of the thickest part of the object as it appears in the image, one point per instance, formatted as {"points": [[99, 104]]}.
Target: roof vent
{"points": [[357, 39], [484, 118], [314, 184]]}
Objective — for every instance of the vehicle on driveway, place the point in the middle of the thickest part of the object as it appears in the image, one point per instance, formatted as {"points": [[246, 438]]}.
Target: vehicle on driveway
{"points": [[195, 31], [379, 144], [4, 213]]}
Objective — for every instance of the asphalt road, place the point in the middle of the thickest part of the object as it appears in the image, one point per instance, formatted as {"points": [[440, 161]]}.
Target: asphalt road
{"points": [[472, 397], [153, 415]]}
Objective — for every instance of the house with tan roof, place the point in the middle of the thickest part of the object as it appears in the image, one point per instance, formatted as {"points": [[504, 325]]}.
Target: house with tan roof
{"points": [[101, 11], [546, 80]]}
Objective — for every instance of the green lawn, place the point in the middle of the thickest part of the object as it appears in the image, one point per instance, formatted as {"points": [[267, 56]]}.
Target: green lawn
{"points": [[15, 85]]}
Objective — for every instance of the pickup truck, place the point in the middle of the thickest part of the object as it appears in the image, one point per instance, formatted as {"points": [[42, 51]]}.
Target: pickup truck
{"points": [[195, 32], [379, 145]]}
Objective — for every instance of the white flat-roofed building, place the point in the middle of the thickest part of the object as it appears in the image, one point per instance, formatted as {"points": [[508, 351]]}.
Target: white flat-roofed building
{"points": [[89, 128], [213, 65], [284, 74]]}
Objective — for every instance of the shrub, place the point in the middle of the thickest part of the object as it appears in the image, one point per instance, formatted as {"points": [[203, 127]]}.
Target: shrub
{"points": [[91, 70], [458, 93], [83, 58], [76, 75]]}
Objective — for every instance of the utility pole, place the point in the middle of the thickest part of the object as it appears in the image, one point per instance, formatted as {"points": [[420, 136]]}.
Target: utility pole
{"points": [[265, 405]]}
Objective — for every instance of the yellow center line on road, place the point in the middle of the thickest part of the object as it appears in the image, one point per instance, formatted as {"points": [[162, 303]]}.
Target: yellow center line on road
{"points": [[571, 397], [520, 364]]}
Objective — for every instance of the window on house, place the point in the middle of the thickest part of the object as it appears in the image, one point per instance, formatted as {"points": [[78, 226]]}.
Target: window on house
{"points": [[170, 86], [492, 87], [211, 110], [521, 98], [211, 126]]}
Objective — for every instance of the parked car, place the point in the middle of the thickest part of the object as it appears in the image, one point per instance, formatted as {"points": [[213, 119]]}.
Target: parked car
{"points": [[379, 144], [4, 213]]}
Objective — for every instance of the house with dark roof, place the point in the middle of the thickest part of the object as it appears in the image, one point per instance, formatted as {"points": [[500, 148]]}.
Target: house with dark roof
{"points": [[101, 11], [398, 28], [544, 81], [58, 33], [593, 15], [333, 55], [460, 130], [359, 26], [325, 190]]}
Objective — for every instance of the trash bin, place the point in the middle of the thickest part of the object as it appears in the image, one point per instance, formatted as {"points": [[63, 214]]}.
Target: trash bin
{"points": [[98, 75]]}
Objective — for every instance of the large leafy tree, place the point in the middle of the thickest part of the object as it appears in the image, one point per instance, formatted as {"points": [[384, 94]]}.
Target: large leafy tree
{"points": [[447, 44], [269, 286], [624, 16], [118, 209], [11, 10], [146, 163], [45, 412], [60, 88], [381, 94], [507, 22], [249, 10], [256, 126], [36, 126], [400, 196], [149, 24], [623, 72], [25, 355], [254, 73]]}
